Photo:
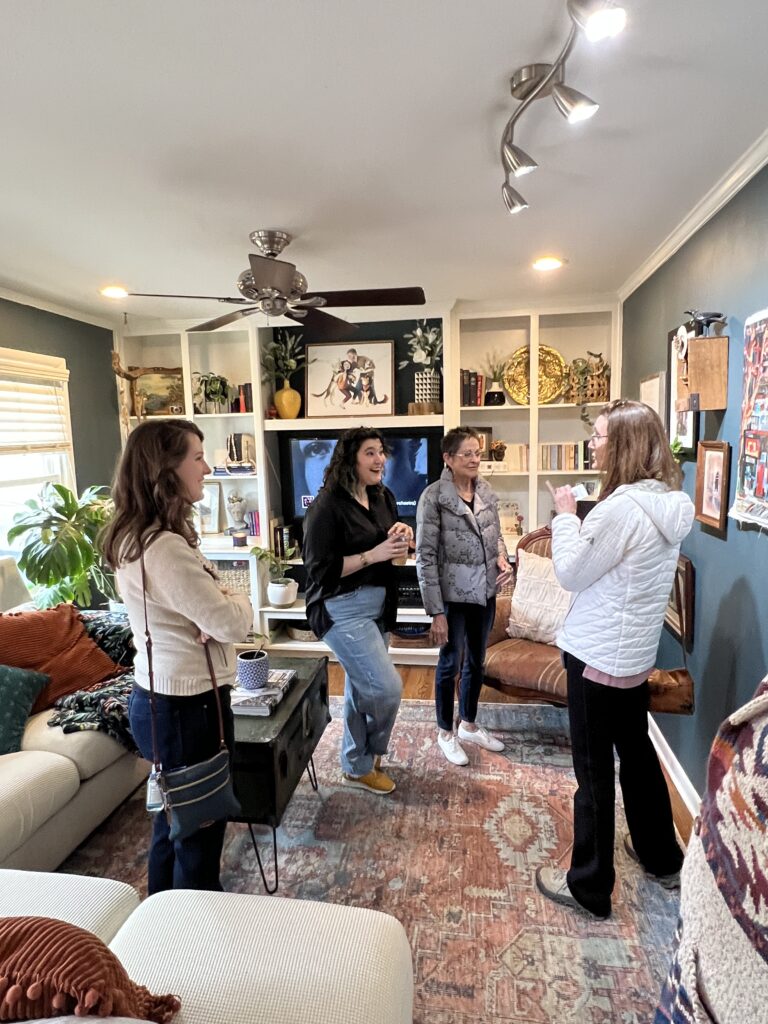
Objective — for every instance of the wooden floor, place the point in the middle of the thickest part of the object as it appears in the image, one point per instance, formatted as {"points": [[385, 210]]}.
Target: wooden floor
{"points": [[419, 684]]}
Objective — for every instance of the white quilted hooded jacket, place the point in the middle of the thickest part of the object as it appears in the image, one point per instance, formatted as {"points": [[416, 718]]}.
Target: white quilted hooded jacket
{"points": [[620, 565]]}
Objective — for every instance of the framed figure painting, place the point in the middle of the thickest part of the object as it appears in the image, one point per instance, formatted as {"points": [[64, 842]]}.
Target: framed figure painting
{"points": [[485, 435], [679, 618], [712, 478], [350, 379], [681, 426], [209, 507]]}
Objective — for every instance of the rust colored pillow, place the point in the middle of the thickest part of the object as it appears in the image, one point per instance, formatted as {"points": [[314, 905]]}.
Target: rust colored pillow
{"points": [[49, 968], [55, 642]]}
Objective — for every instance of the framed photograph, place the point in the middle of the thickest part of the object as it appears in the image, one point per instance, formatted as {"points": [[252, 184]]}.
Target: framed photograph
{"points": [[350, 379], [682, 628], [156, 391], [712, 474], [209, 508], [486, 436], [681, 426], [653, 393]]}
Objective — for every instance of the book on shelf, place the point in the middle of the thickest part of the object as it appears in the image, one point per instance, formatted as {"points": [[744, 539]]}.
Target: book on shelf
{"points": [[264, 701], [565, 455], [480, 395]]}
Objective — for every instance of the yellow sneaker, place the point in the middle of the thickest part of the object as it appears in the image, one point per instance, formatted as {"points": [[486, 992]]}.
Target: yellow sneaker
{"points": [[375, 782]]}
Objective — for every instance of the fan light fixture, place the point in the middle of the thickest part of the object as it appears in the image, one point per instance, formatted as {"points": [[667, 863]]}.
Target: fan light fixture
{"points": [[548, 263], [114, 291], [598, 19]]}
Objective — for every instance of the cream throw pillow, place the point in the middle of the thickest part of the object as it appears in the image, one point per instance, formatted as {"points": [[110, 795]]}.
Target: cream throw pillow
{"points": [[539, 603]]}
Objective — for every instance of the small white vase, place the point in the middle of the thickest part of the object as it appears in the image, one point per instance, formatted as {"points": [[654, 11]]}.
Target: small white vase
{"points": [[282, 595]]}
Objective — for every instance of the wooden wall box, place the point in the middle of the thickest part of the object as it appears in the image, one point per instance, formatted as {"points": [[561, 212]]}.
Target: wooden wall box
{"points": [[708, 372]]}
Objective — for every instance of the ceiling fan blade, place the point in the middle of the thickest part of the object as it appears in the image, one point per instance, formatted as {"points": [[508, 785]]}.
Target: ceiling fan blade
{"points": [[373, 297], [271, 273], [322, 326], [221, 321], [209, 298]]}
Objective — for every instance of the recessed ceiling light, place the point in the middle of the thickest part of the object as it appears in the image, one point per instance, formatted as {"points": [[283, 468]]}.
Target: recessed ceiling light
{"points": [[548, 263], [114, 291]]}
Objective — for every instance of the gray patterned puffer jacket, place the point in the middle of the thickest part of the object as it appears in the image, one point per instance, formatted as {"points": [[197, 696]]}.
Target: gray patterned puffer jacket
{"points": [[456, 551]]}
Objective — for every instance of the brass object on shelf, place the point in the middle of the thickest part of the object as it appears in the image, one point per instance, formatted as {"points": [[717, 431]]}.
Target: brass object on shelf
{"points": [[588, 380], [553, 375]]}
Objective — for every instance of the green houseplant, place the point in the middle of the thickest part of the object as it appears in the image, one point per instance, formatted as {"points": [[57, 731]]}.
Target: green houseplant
{"points": [[60, 552], [282, 591], [212, 391], [280, 359]]}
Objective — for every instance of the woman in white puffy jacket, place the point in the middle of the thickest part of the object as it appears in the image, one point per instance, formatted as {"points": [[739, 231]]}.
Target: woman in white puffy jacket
{"points": [[620, 565]]}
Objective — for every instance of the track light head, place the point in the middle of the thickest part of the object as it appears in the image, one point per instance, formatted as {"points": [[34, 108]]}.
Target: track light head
{"points": [[513, 201], [516, 161], [573, 105], [599, 19]]}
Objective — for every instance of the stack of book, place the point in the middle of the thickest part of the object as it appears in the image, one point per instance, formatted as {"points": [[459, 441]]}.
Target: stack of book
{"points": [[565, 455], [243, 401], [472, 387], [265, 700]]}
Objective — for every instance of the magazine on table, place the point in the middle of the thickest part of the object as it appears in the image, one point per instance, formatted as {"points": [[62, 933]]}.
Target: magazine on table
{"points": [[264, 700]]}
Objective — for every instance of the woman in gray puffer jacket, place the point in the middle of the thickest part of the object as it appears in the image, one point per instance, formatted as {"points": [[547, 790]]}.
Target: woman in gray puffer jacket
{"points": [[461, 561]]}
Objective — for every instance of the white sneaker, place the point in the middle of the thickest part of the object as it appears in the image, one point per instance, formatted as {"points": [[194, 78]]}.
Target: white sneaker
{"points": [[481, 737], [451, 747]]}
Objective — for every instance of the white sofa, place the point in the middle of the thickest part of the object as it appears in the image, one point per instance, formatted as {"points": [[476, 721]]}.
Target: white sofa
{"points": [[59, 786], [236, 958]]}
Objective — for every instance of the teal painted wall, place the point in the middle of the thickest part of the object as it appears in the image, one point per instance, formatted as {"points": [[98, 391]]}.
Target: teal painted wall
{"points": [[722, 267], [92, 392]]}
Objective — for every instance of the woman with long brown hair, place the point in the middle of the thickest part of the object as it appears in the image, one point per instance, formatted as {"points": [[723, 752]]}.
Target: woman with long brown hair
{"points": [[152, 545], [620, 565]]}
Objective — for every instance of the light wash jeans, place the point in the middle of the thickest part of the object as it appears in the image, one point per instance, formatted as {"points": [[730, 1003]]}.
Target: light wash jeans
{"points": [[372, 684]]}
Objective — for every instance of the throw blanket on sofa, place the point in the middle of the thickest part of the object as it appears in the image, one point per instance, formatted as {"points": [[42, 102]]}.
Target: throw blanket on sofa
{"points": [[104, 709]]}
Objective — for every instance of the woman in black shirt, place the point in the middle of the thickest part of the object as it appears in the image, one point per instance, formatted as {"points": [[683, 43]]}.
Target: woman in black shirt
{"points": [[351, 535]]}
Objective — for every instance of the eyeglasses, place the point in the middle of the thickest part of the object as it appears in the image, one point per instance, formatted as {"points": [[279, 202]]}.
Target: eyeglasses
{"points": [[468, 455], [597, 437]]}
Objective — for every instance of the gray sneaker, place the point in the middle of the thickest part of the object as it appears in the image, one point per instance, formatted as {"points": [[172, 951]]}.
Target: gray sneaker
{"points": [[552, 883], [665, 881]]}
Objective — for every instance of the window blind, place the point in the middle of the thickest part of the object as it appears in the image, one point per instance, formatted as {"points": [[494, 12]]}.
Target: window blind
{"points": [[34, 404]]}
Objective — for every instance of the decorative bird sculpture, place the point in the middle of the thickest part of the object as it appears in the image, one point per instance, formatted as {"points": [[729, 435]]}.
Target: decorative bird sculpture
{"points": [[707, 320]]}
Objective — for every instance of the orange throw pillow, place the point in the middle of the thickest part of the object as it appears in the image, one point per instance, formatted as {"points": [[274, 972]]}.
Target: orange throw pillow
{"points": [[50, 968], [54, 641]]}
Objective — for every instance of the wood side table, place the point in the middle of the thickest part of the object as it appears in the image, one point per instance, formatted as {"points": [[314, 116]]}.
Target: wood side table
{"points": [[272, 751]]}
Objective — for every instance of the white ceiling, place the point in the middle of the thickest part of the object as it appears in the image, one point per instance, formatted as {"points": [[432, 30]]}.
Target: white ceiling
{"points": [[142, 141]]}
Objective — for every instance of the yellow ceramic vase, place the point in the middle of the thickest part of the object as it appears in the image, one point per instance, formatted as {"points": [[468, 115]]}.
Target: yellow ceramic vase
{"points": [[287, 402]]}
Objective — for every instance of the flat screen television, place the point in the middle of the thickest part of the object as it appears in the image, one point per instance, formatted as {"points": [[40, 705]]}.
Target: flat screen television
{"points": [[414, 462]]}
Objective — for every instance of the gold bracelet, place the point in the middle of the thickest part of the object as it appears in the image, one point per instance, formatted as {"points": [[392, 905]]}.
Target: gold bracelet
{"points": [[363, 560]]}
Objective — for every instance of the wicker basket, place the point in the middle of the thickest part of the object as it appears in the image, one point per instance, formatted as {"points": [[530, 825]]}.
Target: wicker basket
{"points": [[300, 631], [237, 580], [413, 636]]}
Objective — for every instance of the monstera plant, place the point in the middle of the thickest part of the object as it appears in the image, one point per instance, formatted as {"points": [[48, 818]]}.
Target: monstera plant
{"points": [[60, 552]]}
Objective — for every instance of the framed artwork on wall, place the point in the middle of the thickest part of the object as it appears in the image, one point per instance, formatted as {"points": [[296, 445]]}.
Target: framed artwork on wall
{"points": [[681, 426], [653, 393], [712, 477], [682, 627], [156, 391], [350, 379]]}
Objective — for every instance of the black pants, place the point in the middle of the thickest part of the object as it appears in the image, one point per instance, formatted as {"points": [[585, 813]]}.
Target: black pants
{"points": [[468, 629], [604, 717]]}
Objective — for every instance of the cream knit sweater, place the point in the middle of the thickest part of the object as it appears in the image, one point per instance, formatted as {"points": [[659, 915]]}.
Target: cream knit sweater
{"points": [[183, 600]]}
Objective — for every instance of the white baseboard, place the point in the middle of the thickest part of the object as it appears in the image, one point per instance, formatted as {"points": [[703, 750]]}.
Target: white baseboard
{"points": [[674, 769]]}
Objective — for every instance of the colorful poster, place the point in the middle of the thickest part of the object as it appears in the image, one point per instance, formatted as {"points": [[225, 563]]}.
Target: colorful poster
{"points": [[751, 504]]}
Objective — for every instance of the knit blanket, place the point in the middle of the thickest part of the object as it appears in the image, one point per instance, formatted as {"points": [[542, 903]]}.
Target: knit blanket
{"points": [[721, 954]]}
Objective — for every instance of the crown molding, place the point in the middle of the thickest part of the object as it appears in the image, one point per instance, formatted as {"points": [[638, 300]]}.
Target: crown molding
{"points": [[734, 179], [53, 307]]}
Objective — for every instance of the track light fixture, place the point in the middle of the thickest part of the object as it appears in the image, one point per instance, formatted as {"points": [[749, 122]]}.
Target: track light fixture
{"points": [[598, 19]]}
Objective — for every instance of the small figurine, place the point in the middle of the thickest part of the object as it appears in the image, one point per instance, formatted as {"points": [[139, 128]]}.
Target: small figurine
{"points": [[236, 505]]}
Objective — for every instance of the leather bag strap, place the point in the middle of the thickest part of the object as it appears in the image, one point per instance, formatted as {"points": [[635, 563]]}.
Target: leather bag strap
{"points": [[151, 674], [681, 616]]}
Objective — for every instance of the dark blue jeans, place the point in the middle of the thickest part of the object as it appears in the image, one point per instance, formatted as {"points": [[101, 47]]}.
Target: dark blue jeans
{"points": [[187, 733], [601, 718], [468, 629]]}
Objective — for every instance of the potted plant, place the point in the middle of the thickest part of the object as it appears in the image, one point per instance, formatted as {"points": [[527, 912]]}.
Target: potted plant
{"points": [[60, 551], [280, 359], [494, 370], [282, 591], [425, 343], [211, 392]]}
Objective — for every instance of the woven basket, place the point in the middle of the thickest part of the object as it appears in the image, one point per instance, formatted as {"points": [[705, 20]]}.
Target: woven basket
{"points": [[298, 633], [413, 636]]}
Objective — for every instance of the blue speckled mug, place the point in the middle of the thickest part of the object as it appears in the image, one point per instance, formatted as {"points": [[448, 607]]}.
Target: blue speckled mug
{"points": [[252, 669]]}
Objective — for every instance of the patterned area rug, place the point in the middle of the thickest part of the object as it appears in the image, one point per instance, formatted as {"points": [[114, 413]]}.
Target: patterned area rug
{"points": [[452, 854]]}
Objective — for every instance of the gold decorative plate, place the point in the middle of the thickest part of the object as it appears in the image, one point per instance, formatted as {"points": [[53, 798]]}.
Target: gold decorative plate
{"points": [[553, 375]]}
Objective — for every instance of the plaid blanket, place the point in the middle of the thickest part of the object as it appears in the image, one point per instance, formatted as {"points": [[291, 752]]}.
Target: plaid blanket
{"points": [[104, 709]]}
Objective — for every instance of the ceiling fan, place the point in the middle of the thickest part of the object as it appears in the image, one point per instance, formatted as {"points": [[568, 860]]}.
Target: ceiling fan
{"points": [[276, 288]]}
